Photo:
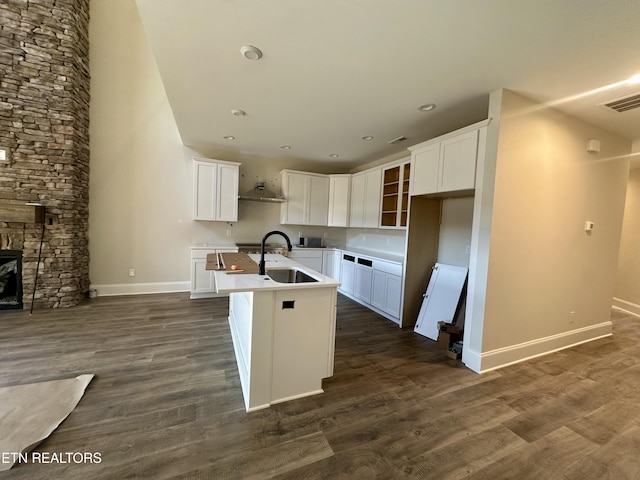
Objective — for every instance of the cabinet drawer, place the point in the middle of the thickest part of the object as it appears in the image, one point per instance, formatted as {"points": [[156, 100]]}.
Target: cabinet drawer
{"points": [[387, 267]]}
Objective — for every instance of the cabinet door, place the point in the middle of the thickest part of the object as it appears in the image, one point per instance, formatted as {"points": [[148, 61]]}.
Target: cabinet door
{"points": [[318, 204], [393, 293], [339, 196], [227, 193], [202, 280], [347, 273], [328, 264], [379, 290], [373, 195], [295, 190], [356, 211], [424, 170], [363, 281], [458, 162], [204, 194]]}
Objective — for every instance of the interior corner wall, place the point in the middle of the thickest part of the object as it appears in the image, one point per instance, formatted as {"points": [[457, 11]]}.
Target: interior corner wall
{"points": [[139, 215], [549, 282], [627, 291]]}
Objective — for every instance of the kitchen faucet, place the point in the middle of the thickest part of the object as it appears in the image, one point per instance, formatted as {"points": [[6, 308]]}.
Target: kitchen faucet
{"points": [[264, 239]]}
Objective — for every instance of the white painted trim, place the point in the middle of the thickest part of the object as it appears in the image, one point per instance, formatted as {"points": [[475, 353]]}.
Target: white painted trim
{"points": [[502, 357], [140, 288], [295, 397], [627, 307]]}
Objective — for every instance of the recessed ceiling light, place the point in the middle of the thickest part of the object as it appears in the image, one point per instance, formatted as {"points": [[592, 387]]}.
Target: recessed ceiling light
{"points": [[334, 155], [250, 52], [285, 147], [367, 137], [238, 113], [427, 107], [229, 137]]}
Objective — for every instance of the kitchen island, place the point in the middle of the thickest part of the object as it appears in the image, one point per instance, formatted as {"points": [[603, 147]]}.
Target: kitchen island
{"points": [[283, 329]]}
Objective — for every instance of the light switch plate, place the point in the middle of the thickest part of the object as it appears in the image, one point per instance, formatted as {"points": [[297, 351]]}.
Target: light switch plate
{"points": [[4, 156]]}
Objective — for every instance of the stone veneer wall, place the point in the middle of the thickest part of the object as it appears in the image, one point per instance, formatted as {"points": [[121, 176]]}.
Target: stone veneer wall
{"points": [[44, 123]]}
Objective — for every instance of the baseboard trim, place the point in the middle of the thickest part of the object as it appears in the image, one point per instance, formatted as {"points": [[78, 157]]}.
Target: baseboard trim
{"points": [[627, 307], [502, 357], [111, 290]]}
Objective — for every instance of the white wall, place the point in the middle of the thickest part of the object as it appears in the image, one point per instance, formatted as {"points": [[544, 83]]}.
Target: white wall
{"points": [[627, 291], [541, 264], [138, 214], [455, 231]]}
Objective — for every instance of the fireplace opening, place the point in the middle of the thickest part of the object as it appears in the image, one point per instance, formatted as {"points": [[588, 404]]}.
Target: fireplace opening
{"points": [[10, 279]]}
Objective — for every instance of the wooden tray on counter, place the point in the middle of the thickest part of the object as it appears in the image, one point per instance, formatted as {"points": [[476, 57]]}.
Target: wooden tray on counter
{"points": [[241, 260]]}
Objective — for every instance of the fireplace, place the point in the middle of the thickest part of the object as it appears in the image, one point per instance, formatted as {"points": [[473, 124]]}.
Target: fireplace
{"points": [[10, 279]]}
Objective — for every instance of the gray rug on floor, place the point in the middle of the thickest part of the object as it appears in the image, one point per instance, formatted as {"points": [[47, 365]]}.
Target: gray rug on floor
{"points": [[29, 413]]}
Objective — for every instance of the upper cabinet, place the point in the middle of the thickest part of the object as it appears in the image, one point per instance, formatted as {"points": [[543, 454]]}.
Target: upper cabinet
{"points": [[395, 195], [339, 196], [307, 197], [446, 164], [215, 190], [365, 198]]}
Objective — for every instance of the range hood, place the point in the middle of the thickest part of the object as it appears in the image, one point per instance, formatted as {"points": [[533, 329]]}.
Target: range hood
{"points": [[261, 194]]}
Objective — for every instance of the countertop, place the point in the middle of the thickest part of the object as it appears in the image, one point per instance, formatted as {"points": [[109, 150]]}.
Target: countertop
{"points": [[389, 257], [249, 282]]}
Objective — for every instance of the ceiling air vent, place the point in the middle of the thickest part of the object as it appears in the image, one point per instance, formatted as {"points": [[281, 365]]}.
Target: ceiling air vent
{"points": [[623, 104], [397, 140]]}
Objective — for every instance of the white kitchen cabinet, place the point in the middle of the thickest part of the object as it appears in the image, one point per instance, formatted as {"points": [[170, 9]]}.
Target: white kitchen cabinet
{"points": [[386, 293], [307, 197], [366, 191], [363, 279], [395, 195], [309, 257], [446, 164], [347, 273], [215, 190], [339, 197], [203, 284], [373, 282], [331, 263]]}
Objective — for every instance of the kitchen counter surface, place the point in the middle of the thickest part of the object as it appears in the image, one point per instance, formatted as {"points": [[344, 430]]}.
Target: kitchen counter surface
{"points": [[389, 257], [250, 282], [211, 246]]}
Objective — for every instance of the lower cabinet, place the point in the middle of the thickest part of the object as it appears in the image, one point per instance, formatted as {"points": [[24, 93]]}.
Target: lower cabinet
{"points": [[331, 263], [203, 284], [373, 282], [347, 273], [387, 290], [308, 257], [363, 280]]}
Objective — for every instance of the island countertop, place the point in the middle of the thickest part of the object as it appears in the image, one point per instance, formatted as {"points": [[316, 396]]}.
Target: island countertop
{"points": [[249, 282]]}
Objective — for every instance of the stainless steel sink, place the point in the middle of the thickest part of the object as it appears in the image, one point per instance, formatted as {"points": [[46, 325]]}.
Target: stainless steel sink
{"points": [[289, 275]]}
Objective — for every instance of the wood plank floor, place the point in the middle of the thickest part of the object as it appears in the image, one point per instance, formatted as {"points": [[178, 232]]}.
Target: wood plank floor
{"points": [[166, 401]]}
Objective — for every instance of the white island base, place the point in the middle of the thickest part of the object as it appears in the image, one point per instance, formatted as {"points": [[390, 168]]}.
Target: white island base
{"points": [[284, 341]]}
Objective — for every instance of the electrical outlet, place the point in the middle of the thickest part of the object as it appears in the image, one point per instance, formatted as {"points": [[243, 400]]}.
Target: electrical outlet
{"points": [[228, 232], [572, 316], [4, 156], [132, 272], [467, 249]]}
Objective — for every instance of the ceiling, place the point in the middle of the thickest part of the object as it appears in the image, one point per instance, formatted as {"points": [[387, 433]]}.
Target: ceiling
{"points": [[333, 71]]}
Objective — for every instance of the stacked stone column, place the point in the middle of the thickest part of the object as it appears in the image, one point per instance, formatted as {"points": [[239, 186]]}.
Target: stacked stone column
{"points": [[44, 125]]}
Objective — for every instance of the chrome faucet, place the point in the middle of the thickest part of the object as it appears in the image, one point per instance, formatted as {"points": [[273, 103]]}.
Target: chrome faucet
{"points": [[264, 239]]}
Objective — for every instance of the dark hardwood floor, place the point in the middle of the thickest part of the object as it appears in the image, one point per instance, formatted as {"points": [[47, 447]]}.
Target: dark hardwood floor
{"points": [[166, 402]]}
